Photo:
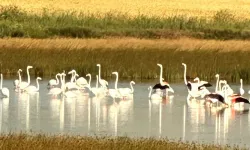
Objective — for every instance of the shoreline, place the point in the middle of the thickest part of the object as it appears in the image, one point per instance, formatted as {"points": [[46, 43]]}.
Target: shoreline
{"points": [[43, 141]]}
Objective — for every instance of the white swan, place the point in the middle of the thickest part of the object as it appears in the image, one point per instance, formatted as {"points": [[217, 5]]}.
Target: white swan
{"points": [[154, 96], [17, 81], [103, 82], [32, 88], [127, 92], [22, 84], [72, 83], [53, 82], [114, 93], [5, 91]]}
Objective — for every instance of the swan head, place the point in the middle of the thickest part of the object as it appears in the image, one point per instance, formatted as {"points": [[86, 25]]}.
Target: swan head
{"points": [[38, 78], [116, 73], [98, 65], [183, 64], [217, 75], [88, 75], [160, 65], [77, 75], [241, 80], [132, 82], [19, 70], [150, 87], [63, 74], [28, 67]]}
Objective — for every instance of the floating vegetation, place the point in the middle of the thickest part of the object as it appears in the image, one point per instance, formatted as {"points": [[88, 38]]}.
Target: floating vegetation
{"points": [[42, 141]]}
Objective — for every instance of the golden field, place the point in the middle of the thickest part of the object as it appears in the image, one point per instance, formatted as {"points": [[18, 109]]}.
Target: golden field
{"points": [[160, 8], [182, 44]]}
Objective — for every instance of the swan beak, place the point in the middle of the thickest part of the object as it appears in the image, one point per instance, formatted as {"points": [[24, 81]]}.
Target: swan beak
{"points": [[171, 90]]}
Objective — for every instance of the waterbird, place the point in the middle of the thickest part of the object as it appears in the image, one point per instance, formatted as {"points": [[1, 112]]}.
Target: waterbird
{"points": [[5, 91], [162, 85], [103, 82], [22, 84], [32, 88]]}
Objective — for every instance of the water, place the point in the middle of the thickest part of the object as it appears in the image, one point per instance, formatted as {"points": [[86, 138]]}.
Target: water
{"points": [[172, 118]]}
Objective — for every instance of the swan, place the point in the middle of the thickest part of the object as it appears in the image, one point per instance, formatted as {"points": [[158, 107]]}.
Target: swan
{"points": [[114, 93], [154, 96], [82, 82], [127, 92], [163, 85], [103, 82], [22, 84], [17, 81], [32, 88], [212, 97], [5, 91], [53, 82], [93, 90]]}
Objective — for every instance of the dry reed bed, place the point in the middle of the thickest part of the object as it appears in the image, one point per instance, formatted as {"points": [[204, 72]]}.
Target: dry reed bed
{"points": [[159, 8], [132, 58], [182, 44], [41, 141]]}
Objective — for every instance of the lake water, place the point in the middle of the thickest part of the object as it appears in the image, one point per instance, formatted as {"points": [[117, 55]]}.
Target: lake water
{"points": [[172, 118]]}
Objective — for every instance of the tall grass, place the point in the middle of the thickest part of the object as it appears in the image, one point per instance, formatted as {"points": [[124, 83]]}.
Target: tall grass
{"points": [[15, 22], [134, 63], [41, 141]]}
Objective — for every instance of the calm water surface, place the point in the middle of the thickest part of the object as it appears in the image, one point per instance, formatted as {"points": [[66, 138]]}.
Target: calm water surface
{"points": [[173, 118]]}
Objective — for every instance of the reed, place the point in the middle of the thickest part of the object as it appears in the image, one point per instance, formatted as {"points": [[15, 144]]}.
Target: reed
{"points": [[42, 141], [130, 62], [15, 22]]}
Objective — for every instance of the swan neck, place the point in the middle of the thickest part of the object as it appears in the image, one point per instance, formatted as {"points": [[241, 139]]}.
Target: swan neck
{"points": [[19, 75], [99, 73]]}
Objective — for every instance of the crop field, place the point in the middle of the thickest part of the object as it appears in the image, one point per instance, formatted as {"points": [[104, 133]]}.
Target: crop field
{"points": [[159, 8]]}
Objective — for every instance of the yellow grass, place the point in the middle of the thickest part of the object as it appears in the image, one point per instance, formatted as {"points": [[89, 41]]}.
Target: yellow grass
{"points": [[241, 8], [118, 43]]}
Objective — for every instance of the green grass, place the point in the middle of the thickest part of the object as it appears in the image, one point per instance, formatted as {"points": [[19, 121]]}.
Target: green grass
{"points": [[17, 23], [42, 141], [130, 63]]}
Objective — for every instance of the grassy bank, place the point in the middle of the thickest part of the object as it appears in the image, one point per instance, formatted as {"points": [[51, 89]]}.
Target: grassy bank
{"points": [[15, 22], [132, 58], [41, 141]]}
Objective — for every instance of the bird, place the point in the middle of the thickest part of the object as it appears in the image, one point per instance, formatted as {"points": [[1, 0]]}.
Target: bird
{"points": [[103, 82], [127, 92], [22, 84], [5, 91], [53, 82], [212, 97], [162, 85], [114, 93], [32, 88], [242, 91], [17, 81], [155, 96]]}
